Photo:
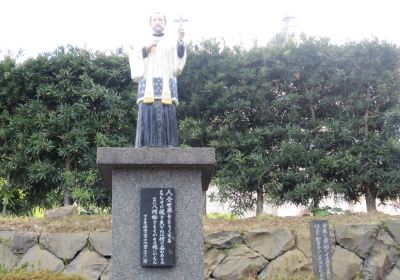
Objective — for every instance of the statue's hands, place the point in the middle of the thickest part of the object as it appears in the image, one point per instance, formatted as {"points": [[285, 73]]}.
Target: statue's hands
{"points": [[181, 33], [150, 47]]}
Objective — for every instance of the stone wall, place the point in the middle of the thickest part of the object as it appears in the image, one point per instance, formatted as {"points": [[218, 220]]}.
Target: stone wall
{"points": [[358, 251], [83, 253]]}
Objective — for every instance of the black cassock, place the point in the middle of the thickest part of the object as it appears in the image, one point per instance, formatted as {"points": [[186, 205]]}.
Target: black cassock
{"points": [[156, 125]]}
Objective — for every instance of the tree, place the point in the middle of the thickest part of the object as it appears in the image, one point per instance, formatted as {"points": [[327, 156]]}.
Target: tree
{"points": [[271, 127], [9, 85], [306, 100], [291, 121], [369, 115], [67, 103]]}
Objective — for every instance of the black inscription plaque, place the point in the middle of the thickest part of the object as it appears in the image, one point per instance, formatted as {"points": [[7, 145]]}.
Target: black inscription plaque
{"points": [[157, 224], [321, 249]]}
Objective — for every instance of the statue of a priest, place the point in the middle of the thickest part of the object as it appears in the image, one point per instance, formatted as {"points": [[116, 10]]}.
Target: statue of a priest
{"points": [[155, 66]]}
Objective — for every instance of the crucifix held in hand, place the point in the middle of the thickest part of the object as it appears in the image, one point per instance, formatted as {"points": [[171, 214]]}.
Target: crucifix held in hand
{"points": [[181, 30]]}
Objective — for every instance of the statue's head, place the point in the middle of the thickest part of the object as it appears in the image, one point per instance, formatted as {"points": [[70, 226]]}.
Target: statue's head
{"points": [[158, 22]]}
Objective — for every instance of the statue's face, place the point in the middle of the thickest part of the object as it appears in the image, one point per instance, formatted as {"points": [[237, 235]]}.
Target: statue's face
{"points": [[157, 23]]}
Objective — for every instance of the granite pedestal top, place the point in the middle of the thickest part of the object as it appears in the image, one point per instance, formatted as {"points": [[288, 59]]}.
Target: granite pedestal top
{"points": [[109, 159]]}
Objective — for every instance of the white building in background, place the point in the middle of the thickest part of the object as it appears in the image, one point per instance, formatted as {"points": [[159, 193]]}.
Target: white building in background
{"points": [[292, 210], [290, 27]]}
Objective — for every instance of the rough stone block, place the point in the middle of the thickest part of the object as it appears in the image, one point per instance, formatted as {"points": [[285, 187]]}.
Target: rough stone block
{"points": [[356, 238], [240, 263], [212, 258], [393, 226], [270, 242], [106, 275], [39, 259], [287, 265], [21, 242], [88, 264], [64, 245], [223, 239], [7, 259], [101, 242], [346, 265], [303, 242], [383, 256], [61, 212], [6, 237], [394, 274]]}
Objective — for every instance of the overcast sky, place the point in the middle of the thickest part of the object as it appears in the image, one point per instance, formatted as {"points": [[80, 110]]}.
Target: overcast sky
{"points": [[42, 25]]}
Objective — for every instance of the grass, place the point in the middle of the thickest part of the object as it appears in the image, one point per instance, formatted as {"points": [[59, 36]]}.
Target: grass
{"points": [[212, 223], [20, 273], [296, 276], [47, 275], [71, 224], [38, 212], [242, 225], [38, 275], [225, 216]]}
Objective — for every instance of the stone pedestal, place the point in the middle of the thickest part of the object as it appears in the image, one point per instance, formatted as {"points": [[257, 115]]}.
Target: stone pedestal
{"points": [[125, 171]]}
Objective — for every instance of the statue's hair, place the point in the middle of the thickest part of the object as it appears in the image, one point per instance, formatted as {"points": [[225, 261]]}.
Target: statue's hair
{"points": [[158, 13]]}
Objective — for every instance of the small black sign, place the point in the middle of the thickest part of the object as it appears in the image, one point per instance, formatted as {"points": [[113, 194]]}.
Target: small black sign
{"points": [[157, 224], [321, 249]]}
